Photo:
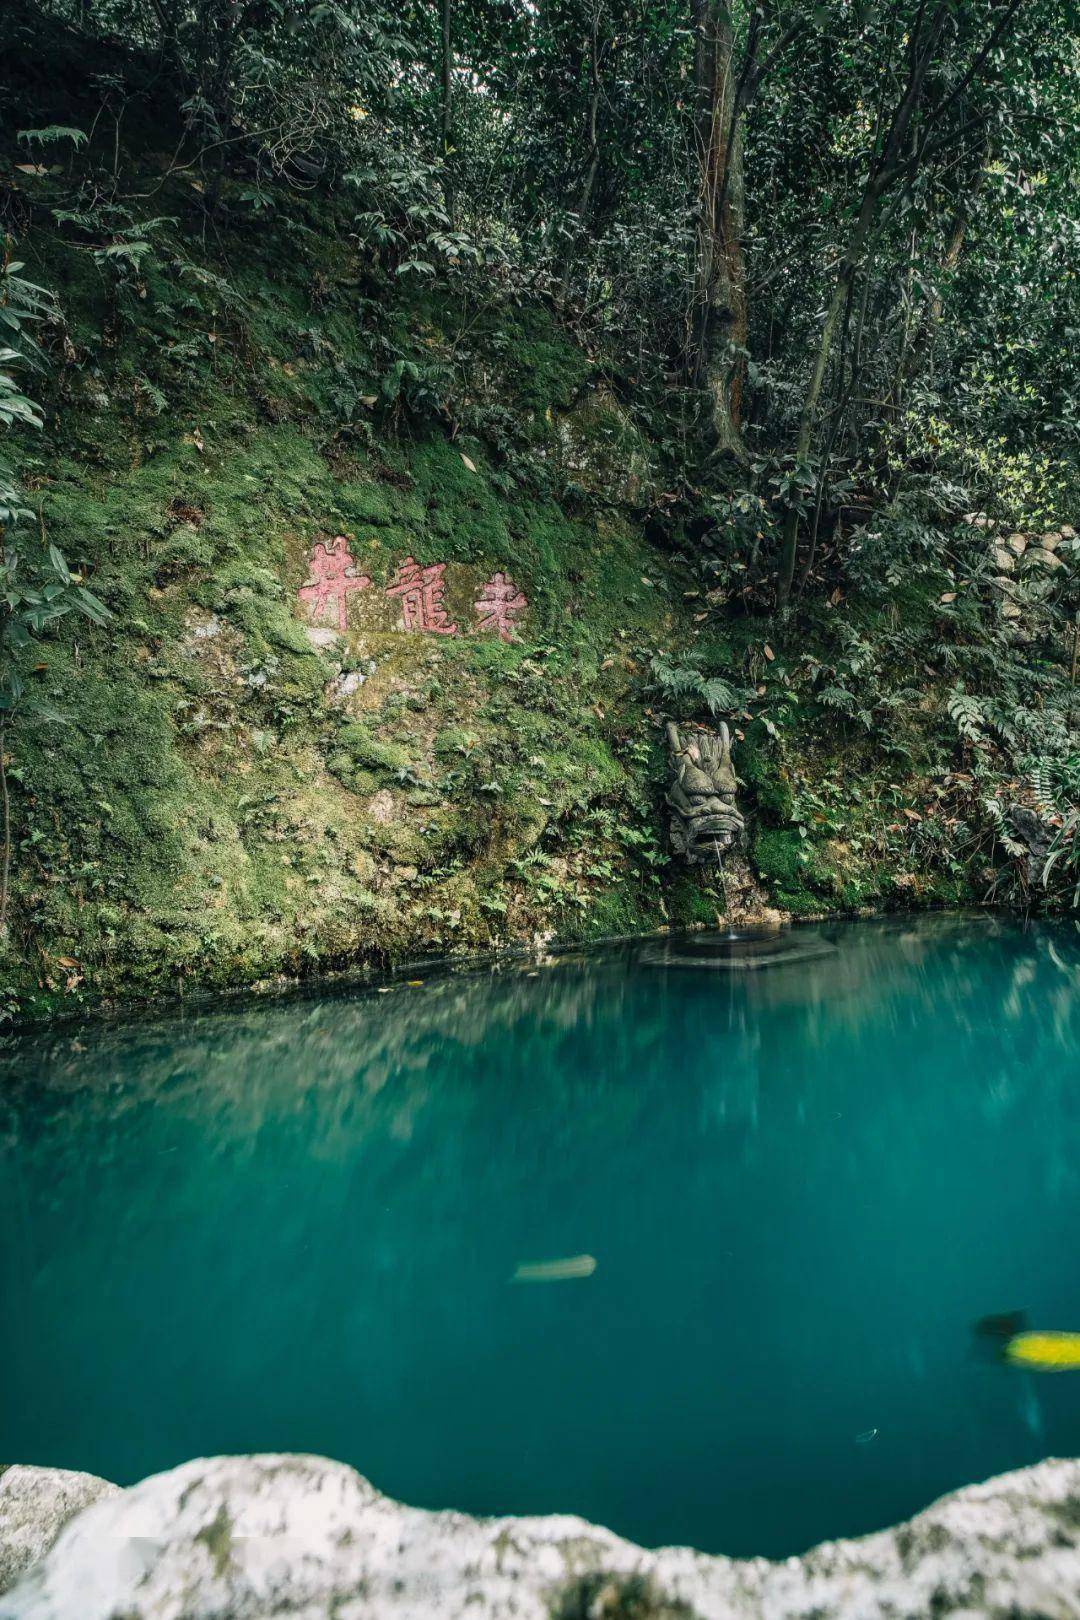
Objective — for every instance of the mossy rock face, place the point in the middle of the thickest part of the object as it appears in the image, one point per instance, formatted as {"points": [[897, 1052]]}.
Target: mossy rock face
{"points": [[761, 773], [367, 751], [602, 449], [243, 792], [694, 901], [621, 912], [797, 872]]}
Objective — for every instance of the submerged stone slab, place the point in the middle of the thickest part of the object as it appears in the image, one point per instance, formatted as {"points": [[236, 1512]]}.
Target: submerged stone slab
{"points": [[256, 1538]]}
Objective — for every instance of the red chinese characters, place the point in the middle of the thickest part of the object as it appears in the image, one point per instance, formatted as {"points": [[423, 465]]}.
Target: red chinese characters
{"points": [[500, 606], [333, 576], [421, 591]]}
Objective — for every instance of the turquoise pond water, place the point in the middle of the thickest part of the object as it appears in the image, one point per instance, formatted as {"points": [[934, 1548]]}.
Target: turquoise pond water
{"points": [[295, 1227]]}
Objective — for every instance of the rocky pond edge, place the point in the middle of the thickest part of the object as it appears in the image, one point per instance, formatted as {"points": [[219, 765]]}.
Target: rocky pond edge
{"points": [[262, 1537]]}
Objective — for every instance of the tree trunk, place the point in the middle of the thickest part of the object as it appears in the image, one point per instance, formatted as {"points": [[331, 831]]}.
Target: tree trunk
{"points": [[573, 234], [446, 111], [719, 323], [884, 173], [808, 420], [890, 167], [914, 352], [587, 184]]}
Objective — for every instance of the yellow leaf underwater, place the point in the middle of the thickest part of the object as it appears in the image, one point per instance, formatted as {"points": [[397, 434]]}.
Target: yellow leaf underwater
{"points": [[579, 1265], [1044, 1352]]}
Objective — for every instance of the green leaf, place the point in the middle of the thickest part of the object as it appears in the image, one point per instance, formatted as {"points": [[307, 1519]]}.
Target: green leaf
{"points": [[52, 132]]}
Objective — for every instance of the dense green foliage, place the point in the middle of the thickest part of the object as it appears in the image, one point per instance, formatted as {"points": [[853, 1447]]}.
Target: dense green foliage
{"points": [[735, 314], [36, 586]]}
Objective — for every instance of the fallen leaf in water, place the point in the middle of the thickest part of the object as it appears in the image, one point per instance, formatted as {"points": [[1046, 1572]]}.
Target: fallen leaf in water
{"points": [[578, 1265]]}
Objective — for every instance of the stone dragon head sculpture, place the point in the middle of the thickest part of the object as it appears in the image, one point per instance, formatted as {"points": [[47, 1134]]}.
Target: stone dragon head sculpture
{"points": [[705, 820]]}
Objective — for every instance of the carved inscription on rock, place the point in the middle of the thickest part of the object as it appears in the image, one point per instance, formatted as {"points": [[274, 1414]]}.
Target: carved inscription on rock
{"points": [[441, 599], [332, 575], [421, 591]]}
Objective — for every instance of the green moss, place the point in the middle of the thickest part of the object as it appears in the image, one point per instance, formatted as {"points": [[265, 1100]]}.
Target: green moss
{"points": [[769, 794], [381, 758], [794, 868], [542, 367], [212, 814], [216, 1537], [614, 914], [694, 901]]}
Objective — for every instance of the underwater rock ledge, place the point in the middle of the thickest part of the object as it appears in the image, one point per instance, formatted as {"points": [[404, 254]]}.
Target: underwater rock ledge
{"points": [[253, 1538]]}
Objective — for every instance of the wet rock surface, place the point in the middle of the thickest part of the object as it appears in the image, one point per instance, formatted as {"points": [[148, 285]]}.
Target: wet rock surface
{"points": [[252, 1538]]}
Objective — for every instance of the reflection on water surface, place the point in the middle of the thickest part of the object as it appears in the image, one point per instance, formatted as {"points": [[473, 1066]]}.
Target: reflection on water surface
{"points": [[295, 1227]]}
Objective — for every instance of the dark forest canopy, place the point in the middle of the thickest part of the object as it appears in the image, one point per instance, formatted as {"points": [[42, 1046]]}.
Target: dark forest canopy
{"points": [[837, 243]]}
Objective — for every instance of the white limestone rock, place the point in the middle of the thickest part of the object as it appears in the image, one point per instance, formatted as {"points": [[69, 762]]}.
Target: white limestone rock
{"points": [[601, 445], [35, 1505], [1037, 559], [322, 637], [342, 687], [257, 1538]]}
